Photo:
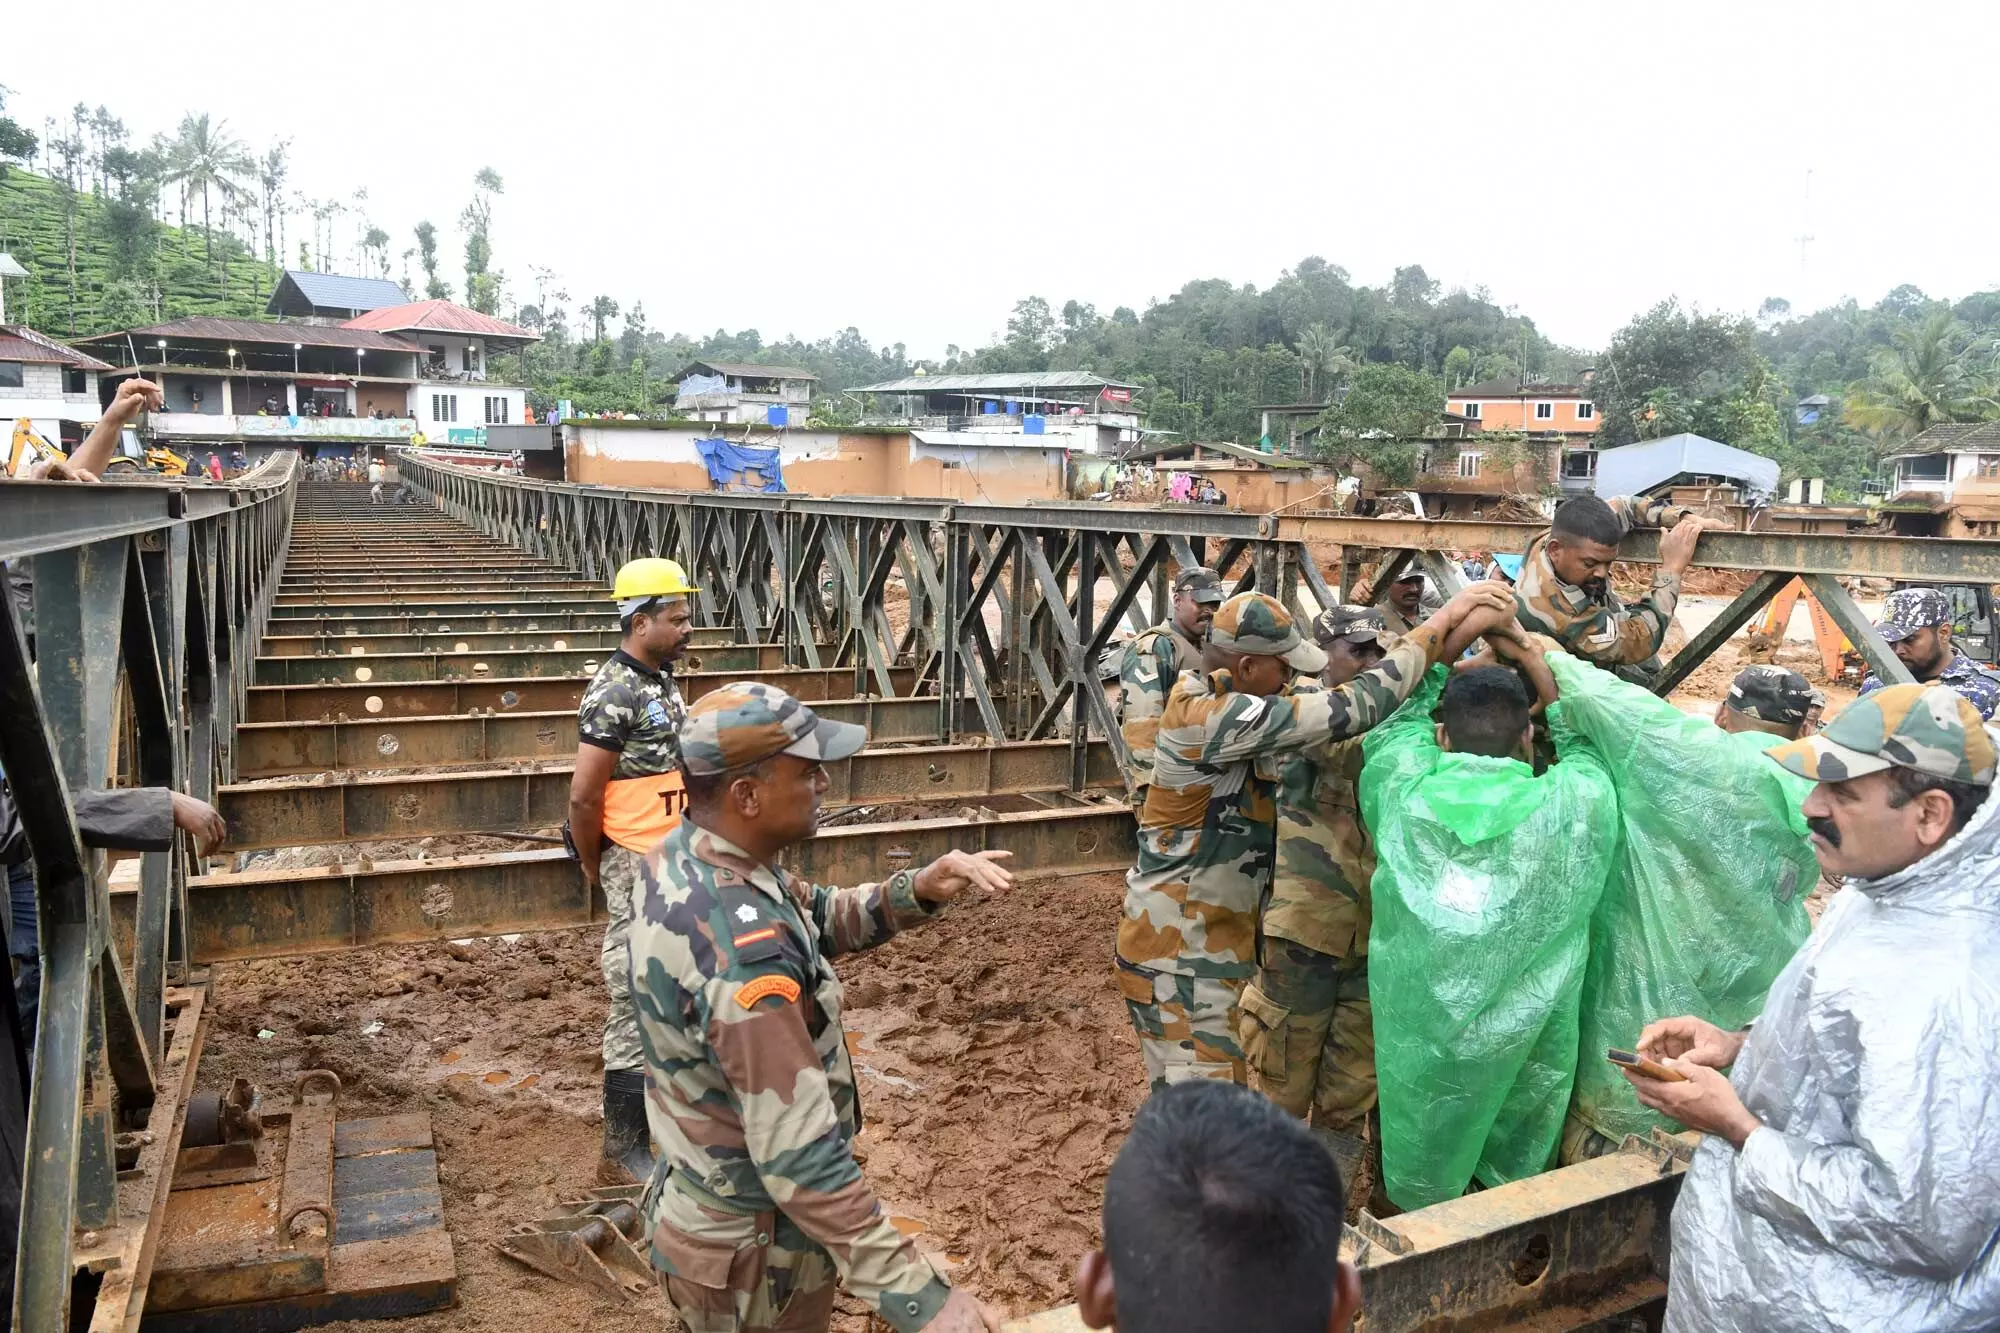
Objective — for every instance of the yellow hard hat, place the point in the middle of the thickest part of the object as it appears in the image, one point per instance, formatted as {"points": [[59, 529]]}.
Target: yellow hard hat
{"points": [[650, 577]]}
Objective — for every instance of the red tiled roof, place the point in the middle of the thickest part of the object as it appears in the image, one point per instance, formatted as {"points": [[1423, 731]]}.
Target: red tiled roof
{"points": [[438, 317], [21, 343]]}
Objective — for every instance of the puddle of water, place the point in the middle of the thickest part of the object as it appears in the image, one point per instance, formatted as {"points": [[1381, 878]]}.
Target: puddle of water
{"points": [[451, 1057], [909, 1226], [856, 1042], [530, 1081], [497, 1077]]}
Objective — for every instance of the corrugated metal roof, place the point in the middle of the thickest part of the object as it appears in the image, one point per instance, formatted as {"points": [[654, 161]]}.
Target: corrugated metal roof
{"points": [[999, 384], [1186, 448], [1634, 469], [255, 331], [741, 368], [438, 317], [18, 342], [338, 291]]}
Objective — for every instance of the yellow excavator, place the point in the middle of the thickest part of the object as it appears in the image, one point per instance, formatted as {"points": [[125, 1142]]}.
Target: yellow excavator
{"points": [[31, 447]]}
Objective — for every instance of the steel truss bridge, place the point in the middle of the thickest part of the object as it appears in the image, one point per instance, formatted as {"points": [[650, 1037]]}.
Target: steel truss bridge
{"points": [[328, 673]]}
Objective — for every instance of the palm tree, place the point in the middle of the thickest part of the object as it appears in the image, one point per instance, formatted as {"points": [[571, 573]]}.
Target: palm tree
{"points": [[601, 309], [1923, 379], [1320, 354], [206, 157]]}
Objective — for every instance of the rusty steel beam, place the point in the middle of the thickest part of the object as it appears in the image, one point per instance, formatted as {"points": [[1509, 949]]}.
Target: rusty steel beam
{"points": [[282, 749], [1564, 1249], [528, 694], [500, 801], [1959, 560], [308, 621], [381, 668], [274, 914], [460, 640]]}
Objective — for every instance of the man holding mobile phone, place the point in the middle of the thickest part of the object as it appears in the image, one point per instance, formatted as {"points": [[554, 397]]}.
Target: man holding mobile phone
{"points": [[1852, 1163]]}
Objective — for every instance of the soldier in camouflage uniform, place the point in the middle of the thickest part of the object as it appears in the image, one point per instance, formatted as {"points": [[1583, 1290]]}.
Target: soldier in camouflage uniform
{"points": [[1188, 940], [1151, 663], [624, 797], [1564, 589], [1404, 603], [1306, 1028], [1916, 624], [757, 1206]]}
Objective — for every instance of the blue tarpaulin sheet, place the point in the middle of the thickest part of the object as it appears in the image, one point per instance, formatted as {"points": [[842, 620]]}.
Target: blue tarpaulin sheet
{"points": [[741, 467]]}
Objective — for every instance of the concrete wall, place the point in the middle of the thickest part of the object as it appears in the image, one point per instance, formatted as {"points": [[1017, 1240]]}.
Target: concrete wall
{"points": [[1519, 413], [470, 418], [821, 462]]}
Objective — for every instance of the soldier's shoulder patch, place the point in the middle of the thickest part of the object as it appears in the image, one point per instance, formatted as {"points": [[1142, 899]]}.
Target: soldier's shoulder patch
{"points": [[764, 987]]}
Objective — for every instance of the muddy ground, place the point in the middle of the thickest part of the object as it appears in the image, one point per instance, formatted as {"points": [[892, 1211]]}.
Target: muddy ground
{"points": [[998, 1076]]}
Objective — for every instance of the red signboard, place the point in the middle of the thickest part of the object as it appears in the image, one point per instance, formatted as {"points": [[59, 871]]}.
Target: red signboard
{"points": [[1118, 395]]}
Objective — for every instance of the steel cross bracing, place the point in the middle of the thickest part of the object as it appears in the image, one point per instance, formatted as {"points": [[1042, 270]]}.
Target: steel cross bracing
{"points": [[134, 610], [1009, 608]]}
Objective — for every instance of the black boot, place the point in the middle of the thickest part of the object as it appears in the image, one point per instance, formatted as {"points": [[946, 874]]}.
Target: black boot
{"points": [[628, 1145]]}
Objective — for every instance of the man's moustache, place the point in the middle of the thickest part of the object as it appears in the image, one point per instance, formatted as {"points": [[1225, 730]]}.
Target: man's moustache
{"points": [[1825, 829]]}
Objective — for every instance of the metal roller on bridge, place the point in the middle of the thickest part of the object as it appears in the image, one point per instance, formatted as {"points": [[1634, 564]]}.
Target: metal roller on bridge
{"points": [[362, 678]]}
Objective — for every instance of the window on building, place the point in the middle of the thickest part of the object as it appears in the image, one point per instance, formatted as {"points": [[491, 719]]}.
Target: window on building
{"points": [[1927, 467], [75, 380], [1989, 465], [1470, 411], [1545, 411], [496, 411], [444, 407], [10, 375], [471, 359], [1586, 410], [1468, 464], [1580, 464]]}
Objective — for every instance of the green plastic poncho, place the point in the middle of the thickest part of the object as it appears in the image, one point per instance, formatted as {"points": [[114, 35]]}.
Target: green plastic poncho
{"points": [[1706, 902], [1485, 881]]}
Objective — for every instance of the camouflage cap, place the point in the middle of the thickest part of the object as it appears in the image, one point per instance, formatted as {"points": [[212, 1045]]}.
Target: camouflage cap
{"points": [[1257, 626], [1356, 624], [1908, 610], [1771, 694], [1201, 583], [747, 722], [1928, 728]]}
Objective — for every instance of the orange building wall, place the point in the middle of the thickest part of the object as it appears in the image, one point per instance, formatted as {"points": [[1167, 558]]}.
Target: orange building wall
{"points": [[866, 465], [1519, 414]]}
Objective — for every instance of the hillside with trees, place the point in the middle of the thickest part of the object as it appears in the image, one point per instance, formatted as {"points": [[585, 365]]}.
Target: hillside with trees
{"points": [[196, 221]]}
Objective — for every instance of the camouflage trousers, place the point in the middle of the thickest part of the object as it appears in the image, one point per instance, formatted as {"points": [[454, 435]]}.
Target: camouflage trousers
{"points": [[618, 872], [1308, 1035], [1186, 1025], [785, 1284]]}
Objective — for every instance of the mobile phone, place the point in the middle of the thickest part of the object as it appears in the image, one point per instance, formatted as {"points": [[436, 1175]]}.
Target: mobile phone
{"points": [[1639, 1064]]}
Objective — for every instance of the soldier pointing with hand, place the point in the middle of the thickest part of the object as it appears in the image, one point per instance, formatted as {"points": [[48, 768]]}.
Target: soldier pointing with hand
{"points": [[757, 1207]]}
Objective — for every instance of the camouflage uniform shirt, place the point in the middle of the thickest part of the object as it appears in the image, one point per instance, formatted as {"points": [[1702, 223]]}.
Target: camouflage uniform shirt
{"points": [[1980, 686], [1151, 664], [752, 1097], [1600, 629], [1319, 889], [635, 712], [1206, 832]]}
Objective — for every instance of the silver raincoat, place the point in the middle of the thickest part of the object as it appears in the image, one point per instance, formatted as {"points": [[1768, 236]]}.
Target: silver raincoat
{"points": [[1871, 1198]]}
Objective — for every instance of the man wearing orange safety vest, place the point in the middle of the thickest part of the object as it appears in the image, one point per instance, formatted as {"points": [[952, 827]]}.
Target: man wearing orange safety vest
{"points": [[626, 795]]}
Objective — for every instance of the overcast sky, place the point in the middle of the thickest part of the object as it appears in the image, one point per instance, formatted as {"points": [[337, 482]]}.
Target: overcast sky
{"points": [[914, 170]]}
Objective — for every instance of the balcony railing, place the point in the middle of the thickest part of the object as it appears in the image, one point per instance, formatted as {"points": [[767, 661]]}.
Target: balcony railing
{"points": [[185, 425]]}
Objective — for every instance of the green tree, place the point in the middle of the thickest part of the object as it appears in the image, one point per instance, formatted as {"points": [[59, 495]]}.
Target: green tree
{"points": [[272, 170], [1925, 377], [206, 157], [17, 144], [427, 255], [482, 287], [1696, 356], [1320, 353], [601, 309]]}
